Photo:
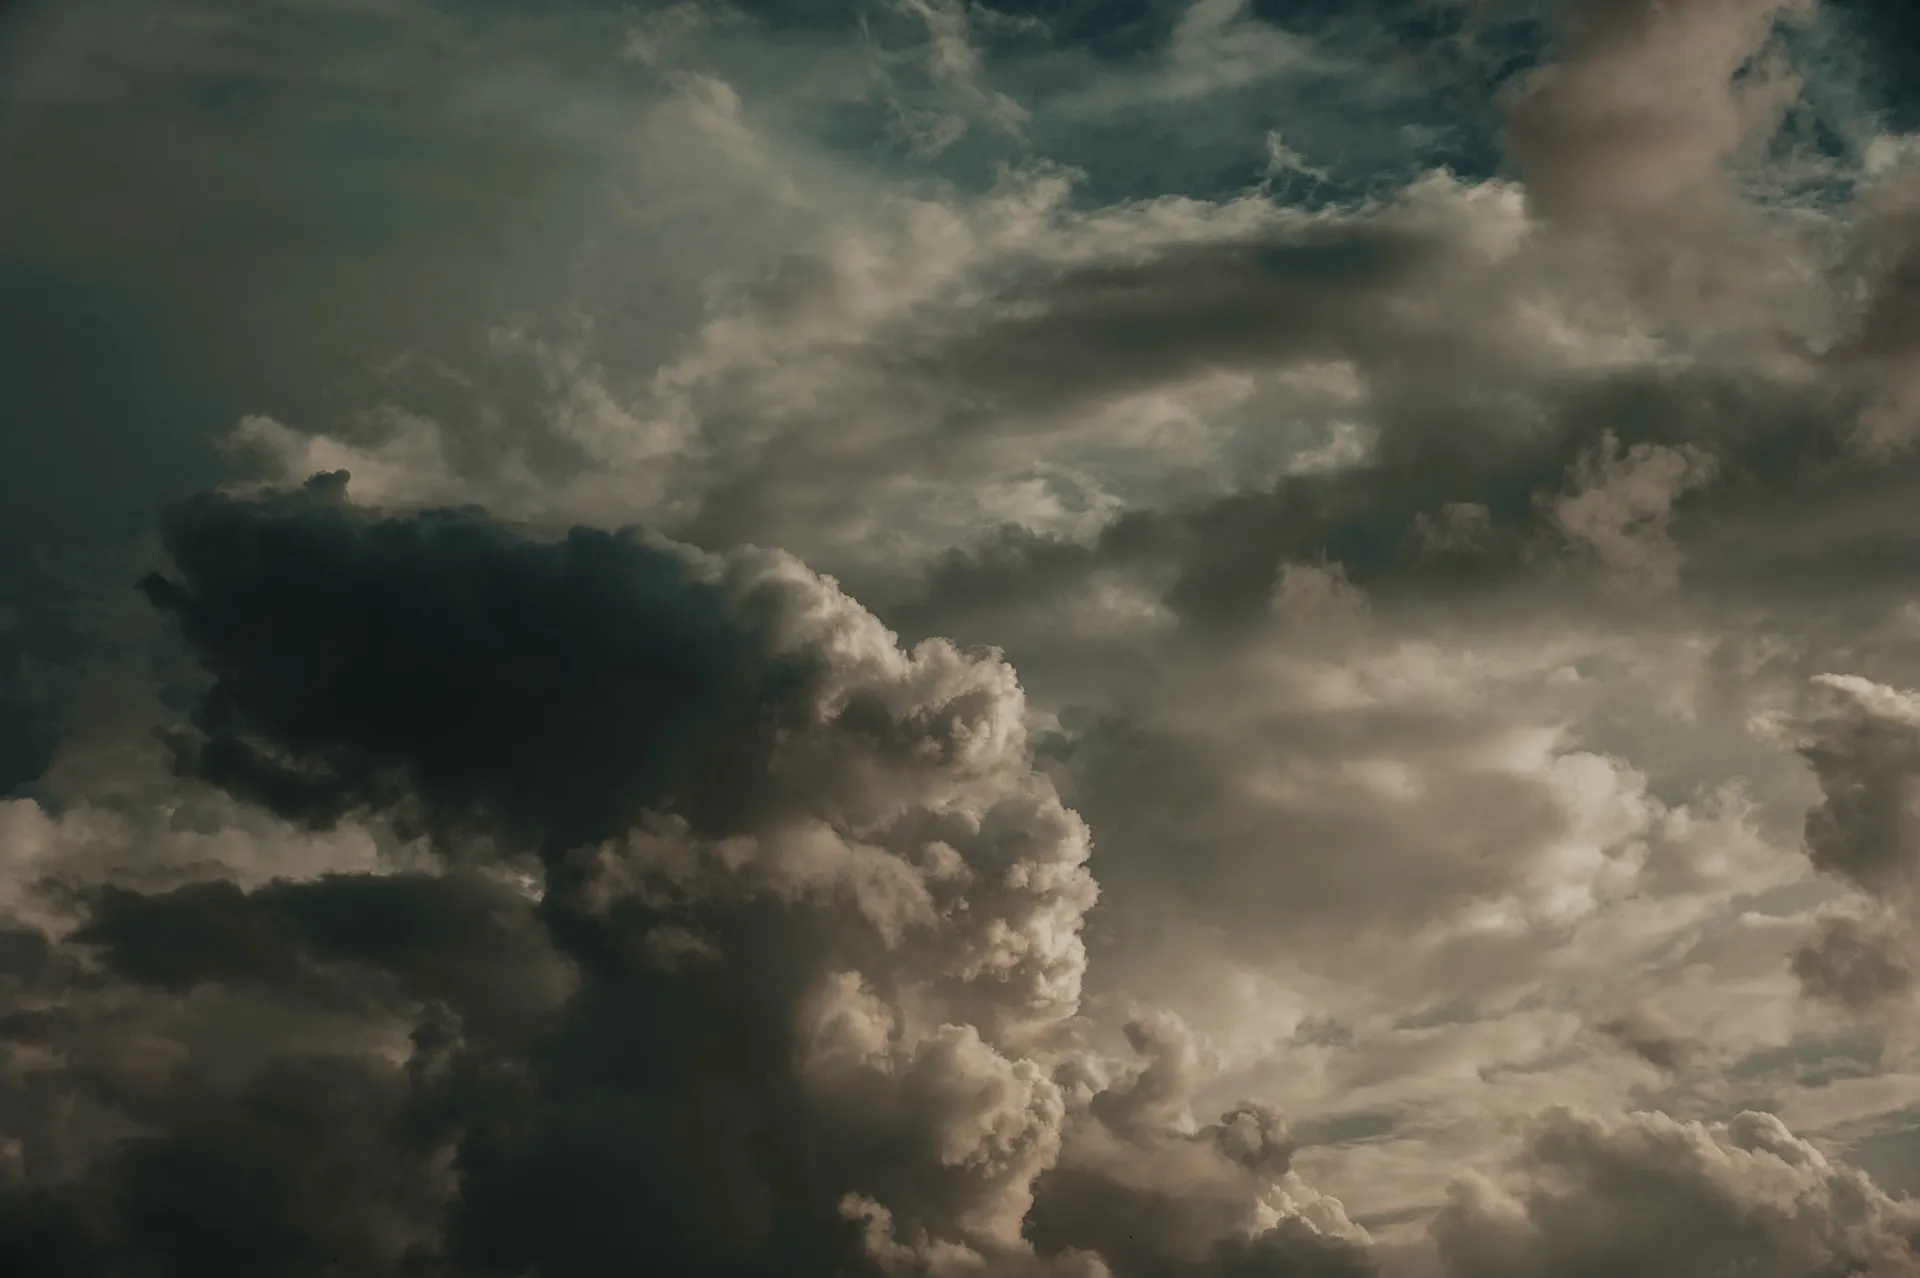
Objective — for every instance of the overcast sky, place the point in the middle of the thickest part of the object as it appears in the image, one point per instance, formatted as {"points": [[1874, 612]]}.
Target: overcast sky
{"points": [[917, 638]]}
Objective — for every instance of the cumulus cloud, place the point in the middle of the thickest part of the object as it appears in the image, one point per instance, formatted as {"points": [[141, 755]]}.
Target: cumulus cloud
{"points": [[1660, 1196], [1146, 1184], [751, 938]]}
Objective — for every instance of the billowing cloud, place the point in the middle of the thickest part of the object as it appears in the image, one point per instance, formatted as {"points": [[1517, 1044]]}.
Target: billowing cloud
{"points": [[1646, 1192], [1158, 1192], [1441, 471], [809, 1000]]}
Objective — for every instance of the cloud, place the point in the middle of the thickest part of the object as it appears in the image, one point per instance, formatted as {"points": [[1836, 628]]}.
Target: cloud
{"points": [[1648, 105], [810, 1001], [1858, 963], [1862, 742], [466, 942], [1653, 1037], [1158, 1193], [1621, 507], [1414, 575], [1660, 1196], [1864, 749], [306, 1166], [349, 657]]}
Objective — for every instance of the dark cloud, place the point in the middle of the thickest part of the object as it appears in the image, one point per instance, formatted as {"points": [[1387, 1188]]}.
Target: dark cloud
{"points": [[307, 1169], [549, 696], [556, 691], [460, 940], [789, 992]]}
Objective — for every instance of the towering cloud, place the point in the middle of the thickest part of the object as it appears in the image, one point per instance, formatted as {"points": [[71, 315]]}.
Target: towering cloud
{"points": [[753, 944]]}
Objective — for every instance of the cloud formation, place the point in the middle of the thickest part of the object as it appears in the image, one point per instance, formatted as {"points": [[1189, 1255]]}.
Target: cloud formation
{"points": [[1442, 472], [1863, 745], [808, 1002], [1661, 1196]]}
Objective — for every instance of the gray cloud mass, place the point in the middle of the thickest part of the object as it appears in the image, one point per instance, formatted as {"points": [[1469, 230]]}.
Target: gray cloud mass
{"points": [[927, 638]]}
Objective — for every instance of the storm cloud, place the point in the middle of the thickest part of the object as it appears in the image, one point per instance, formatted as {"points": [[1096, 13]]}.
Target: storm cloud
{"points": [[805, 1005], [1185, 639]]}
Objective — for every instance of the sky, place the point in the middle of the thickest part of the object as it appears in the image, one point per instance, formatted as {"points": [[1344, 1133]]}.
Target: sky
{"points": [[927, 638]]}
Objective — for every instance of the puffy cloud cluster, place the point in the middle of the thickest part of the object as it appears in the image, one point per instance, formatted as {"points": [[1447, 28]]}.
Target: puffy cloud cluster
{"points": [[749, 942], [1649, 1194], [1159, 1193]]}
